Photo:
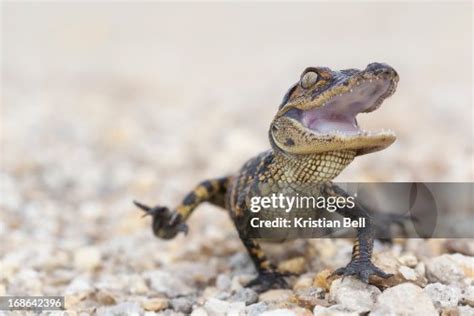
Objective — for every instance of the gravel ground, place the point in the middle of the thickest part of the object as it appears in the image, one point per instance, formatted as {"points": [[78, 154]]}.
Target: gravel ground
{"points": [[95, 114]]}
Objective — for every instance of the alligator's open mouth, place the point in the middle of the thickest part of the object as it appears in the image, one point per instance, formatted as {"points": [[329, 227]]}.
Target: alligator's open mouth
{"points": [[338, 114]]}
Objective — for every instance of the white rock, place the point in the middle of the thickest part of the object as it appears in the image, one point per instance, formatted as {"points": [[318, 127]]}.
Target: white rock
{"points": [[467, 295], [353, 295], [444, 269], [87, 258], [334, 310], [256, 309], [279, 312], [126, 308], [169, 284], [217, 307], [443, 296], [465, 311], [408, 273], [199, 312], [404, 299], [223, 282]]}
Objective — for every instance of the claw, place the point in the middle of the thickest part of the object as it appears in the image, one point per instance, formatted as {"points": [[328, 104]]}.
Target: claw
{"points": [[362, 269], [149, 210], [182, 227], [142, 206], [267, 280]]}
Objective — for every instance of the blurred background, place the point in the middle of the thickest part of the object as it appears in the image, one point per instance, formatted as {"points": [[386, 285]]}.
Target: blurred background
{"points": [[107, 102]]}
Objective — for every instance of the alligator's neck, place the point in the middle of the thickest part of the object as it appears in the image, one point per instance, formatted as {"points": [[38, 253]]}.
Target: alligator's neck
{"points": [[312, 168]]}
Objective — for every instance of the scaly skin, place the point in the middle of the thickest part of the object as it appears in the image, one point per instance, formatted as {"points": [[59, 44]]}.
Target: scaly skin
{"points": [[314, 136]]}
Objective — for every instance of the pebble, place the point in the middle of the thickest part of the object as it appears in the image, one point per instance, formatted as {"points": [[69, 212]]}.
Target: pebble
{"points": [[323, 279], [167, 283], [295, 265], [87, 258], [444, 269], [304, 281], [334, 310], [467, 295], [310, 297], [246, 295], [223, 282], [256, 309], [199, 312], [404, 299], [274, 296], [353, 294], [408, 260], [155, 304], [443, 296], [465, 311], [389, 263], [279, 312], [218, 307], [106, 297], [125, 308], [182, 304]]}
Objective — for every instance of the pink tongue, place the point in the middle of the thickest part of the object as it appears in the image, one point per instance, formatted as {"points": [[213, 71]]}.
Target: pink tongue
{"points": [[325, 121], [325, 126]]}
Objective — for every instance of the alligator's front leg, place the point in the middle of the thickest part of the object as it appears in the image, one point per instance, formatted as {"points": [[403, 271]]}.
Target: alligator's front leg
{"points": [[361, 264], [167, 224]]}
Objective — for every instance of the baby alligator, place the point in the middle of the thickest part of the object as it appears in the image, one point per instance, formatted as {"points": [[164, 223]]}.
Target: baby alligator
{"points": [[313, 136]]}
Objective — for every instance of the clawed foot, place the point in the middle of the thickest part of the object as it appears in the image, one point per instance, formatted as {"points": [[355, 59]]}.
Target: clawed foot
{"points": [[267, 280], [166, 224], [362, 269]]}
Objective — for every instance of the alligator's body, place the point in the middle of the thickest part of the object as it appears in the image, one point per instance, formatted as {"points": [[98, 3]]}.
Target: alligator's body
{"points": [[314, 136]]}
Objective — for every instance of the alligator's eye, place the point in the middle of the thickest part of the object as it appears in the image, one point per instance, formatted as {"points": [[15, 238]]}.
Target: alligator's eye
{"points": [[309, 79]]}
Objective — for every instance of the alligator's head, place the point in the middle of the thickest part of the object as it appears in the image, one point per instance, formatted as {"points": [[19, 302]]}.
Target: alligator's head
{"points": [[318, 114]]}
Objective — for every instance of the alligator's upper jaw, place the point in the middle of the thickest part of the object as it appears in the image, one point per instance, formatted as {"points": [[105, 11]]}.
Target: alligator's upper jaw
{"points": [[338, 115]]}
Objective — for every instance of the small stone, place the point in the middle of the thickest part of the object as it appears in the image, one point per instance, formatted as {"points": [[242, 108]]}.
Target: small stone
{"points": [[239, 281], [246, 295], [466, 263], [78, 285], [106, 297], [401, 274], [304, 281], [322, 279], [218, 307], [421, 269], [310, 297], [443, 296], [463, 246], [182, 304], [295, 265], [87, 258], [443, 269], [279, 312], [408, 273], [126, 308], [353, 294], [241, 263], [155, 304], [256, 309], [199, 312], [275, 296], [409, 260], [167, 283], [223, 282], [404, 299], [465, 311], [467, 296], [334, 310]]}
